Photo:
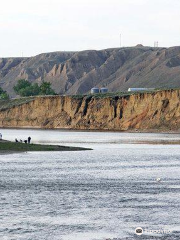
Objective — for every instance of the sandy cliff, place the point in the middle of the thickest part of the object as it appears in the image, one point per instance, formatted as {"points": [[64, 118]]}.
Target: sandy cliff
{"points": [[158, 110]]}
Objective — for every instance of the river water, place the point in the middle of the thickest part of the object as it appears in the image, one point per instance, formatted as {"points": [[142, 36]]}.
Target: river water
{"points": [[91, 195]]}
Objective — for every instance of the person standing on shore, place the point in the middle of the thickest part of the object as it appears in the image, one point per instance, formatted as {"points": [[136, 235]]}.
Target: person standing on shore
{"points": [[0, 136], [29, 140]]}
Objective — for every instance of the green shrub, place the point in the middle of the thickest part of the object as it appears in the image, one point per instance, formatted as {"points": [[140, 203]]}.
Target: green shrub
{"points": [[25, 89], [3, 94]]}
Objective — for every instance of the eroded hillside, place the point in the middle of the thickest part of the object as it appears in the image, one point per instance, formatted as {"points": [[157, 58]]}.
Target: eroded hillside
{"points": [[159, 110], [77, 72]]}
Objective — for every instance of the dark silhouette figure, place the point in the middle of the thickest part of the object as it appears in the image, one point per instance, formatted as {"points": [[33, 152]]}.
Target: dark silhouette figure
{"points": [[29, 140], [25, 141], [16, 140], [21, 140]]}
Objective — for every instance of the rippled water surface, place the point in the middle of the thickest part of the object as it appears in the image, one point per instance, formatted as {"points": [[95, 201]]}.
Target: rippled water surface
{"points": [[104, 193]]}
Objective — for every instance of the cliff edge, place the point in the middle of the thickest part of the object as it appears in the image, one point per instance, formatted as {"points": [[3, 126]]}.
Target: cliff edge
{"points": [[142, 111]]}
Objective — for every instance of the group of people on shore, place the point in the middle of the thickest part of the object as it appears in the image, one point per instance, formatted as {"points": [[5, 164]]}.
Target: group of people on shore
{"points": [[28, 141]]}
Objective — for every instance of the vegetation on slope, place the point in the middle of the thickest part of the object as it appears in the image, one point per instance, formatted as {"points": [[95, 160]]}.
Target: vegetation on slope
{"points": [[24, 88], [3, 94], [10, 103]]}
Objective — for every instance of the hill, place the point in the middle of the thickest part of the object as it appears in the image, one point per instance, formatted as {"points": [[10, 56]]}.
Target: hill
{"points": [[77, 72]]}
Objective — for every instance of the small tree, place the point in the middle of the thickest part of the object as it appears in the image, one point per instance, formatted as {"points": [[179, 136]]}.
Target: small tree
{"points": [[3, 94], [25, 88], [32, 90], [1, 90], [21, 84], [45, 89]]}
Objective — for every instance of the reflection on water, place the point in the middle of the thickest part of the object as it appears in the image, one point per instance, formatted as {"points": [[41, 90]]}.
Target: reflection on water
{"points": [[99, 194]]}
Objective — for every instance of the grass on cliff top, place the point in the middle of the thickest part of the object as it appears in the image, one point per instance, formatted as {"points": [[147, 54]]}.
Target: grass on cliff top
{"points": [[6, 146], [104, 95], [7, 104], [120, 94], [110, 94]]}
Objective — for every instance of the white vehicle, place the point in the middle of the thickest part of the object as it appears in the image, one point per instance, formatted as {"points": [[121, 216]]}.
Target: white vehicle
{"points": [[140, 89]]}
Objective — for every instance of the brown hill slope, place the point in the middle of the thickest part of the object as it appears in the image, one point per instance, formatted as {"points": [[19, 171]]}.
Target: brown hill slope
{"points": [[78, 72], [156, 111]]}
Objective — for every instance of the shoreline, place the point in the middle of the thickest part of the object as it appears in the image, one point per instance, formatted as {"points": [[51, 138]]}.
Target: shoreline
{"points": [[96, 130], [8, 147]]}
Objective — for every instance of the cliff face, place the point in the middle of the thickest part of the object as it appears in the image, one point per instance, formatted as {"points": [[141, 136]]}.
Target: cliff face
{"points": [[77, 72], [159, 110]]}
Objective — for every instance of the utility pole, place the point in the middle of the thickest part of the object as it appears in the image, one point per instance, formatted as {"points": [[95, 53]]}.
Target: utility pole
{"points": [[156, 44]]}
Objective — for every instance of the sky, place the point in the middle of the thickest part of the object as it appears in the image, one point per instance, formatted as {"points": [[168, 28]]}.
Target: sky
{"points": [[31, 27]]}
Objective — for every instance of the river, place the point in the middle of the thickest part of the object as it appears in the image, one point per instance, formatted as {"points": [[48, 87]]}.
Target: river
{"points": [[101, 194]]}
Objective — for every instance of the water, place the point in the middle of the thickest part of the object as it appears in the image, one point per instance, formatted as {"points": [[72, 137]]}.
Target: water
{"points": [[90, 195]]}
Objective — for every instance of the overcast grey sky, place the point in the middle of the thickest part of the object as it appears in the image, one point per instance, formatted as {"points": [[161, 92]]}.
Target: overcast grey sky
{"points": [[36, 26]]}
